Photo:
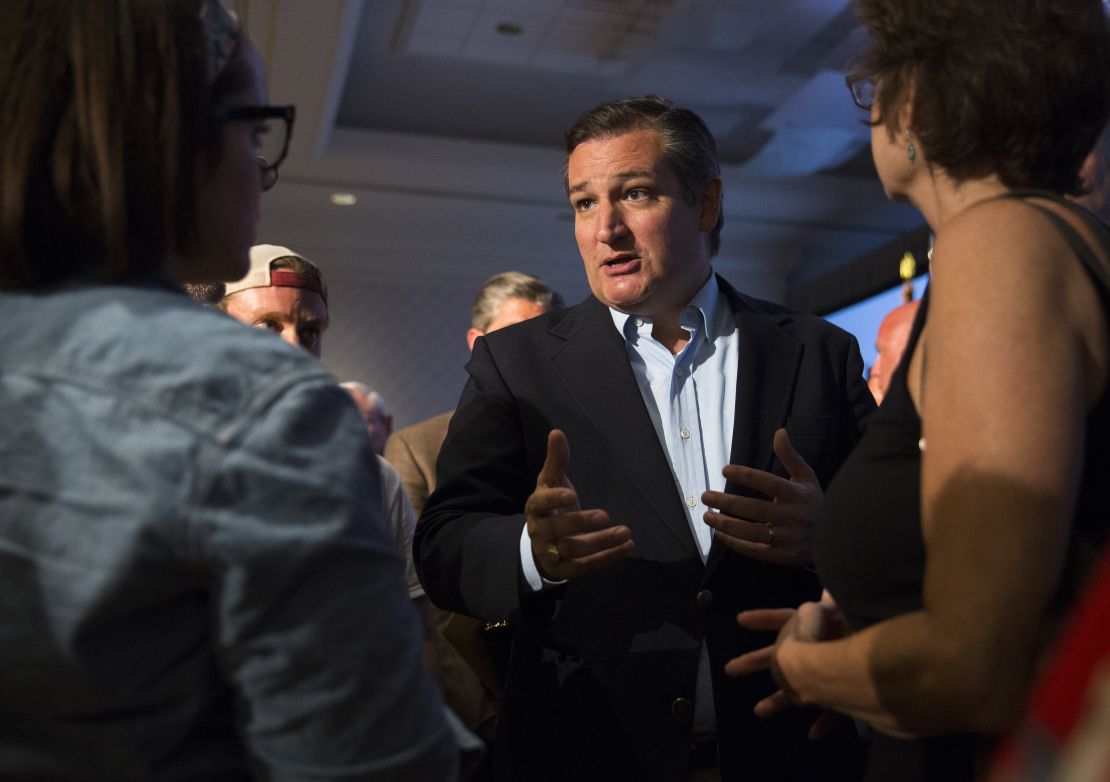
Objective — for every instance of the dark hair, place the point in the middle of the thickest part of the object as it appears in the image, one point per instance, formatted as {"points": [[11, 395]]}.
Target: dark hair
{"points": [[210, 293], [510, 285], [687, 142], [1015, 88], [104, 116]]}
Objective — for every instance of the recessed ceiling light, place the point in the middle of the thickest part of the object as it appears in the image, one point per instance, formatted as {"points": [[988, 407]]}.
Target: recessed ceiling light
{"points": [[509, 28], [343, 199]]}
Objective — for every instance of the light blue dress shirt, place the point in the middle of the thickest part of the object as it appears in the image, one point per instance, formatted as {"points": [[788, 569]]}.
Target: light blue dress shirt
{"points": [[691, 399]]}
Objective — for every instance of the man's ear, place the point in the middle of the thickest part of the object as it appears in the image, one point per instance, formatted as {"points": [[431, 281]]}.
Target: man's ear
{"points": [[471, 335], [710, 205]]}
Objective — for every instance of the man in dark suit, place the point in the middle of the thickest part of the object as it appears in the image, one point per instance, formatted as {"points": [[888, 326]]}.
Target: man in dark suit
{"points": [[622, 567]]}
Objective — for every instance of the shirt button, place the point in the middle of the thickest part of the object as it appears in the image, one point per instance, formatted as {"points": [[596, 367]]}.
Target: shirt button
{"points": [[685, 433], [639, 321], [705, 598], [692, 501]]}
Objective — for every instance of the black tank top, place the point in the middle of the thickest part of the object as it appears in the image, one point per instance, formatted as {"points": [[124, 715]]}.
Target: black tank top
{"points": [[870, 551]]}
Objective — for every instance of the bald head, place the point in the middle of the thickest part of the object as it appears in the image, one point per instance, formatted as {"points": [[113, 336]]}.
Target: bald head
{"points": [[379, 423], [890, 342]]}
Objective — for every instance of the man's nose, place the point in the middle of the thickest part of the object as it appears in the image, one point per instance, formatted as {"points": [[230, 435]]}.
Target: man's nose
{"points": [[610, 226]]}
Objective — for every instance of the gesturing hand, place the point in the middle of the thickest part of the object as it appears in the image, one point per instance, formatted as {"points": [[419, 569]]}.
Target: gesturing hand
{"points": [[811, 622], [778, 530], [568, 542]]}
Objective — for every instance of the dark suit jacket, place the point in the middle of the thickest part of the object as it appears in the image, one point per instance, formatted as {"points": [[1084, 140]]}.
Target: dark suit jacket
{"points": [[603, 668]]}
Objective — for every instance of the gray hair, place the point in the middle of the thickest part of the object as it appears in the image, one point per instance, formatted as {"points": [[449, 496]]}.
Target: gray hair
{"points": [[687, 142], [510, 285]]}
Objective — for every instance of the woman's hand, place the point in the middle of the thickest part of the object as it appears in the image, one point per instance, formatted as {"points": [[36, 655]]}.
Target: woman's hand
{"points": [[810, 623]]}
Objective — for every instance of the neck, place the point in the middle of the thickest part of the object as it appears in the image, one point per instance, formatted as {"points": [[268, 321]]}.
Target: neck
{"points": [[665, 328], [670, 335], [940, 199]]}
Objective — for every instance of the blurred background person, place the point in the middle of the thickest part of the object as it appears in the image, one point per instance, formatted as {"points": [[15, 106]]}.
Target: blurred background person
{"points": [[470, 678], [283, 292], [210, 293], [287, 294], [194, 569], [371, 406], [952, 539], [504, 299], [890, 342], [894, 332]]}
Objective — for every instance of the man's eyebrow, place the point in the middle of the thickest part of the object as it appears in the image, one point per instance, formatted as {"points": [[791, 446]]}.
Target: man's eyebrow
{"points": [[635, 173]]}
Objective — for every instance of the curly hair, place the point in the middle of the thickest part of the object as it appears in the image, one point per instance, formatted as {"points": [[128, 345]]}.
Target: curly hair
{"points": [[1015, 88]]}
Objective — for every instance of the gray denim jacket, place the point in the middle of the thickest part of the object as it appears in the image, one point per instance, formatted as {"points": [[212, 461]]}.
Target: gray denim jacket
{"points": [[195, 579]]}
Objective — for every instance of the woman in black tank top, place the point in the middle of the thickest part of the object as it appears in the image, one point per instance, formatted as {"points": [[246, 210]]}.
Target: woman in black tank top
{"points": [[953, 535]]}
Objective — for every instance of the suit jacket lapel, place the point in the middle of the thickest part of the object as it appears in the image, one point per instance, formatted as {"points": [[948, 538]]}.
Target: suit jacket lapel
{"points": [[769, 360], [594, 366]]}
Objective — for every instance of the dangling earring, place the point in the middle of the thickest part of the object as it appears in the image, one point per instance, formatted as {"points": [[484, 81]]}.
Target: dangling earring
{"points": [[911, 150]]}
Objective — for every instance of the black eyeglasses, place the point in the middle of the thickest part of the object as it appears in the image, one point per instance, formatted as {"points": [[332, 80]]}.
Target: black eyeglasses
{"points": [[863, 92], [272, 134]]}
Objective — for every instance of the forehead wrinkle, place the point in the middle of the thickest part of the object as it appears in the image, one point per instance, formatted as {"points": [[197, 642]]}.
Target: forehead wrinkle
{"points": [[620, 176]]}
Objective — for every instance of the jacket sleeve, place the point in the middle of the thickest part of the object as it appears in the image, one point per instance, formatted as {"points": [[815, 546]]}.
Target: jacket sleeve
{"points": [[467, 541]]}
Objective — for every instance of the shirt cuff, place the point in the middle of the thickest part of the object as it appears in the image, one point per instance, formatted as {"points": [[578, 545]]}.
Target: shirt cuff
{"points": [[528, 565]]}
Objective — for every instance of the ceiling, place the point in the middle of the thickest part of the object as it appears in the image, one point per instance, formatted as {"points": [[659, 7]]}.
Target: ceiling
{"points": [[444, 119]]}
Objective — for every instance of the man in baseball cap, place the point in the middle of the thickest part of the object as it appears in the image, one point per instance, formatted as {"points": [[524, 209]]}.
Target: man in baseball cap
{"points": [[283, 292]]}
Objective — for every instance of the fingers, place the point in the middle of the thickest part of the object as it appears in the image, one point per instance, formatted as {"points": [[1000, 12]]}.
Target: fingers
{"points": [[801, 474], [748, 508], [754, 531], [780, 544], [554, 470], [765, 618], [766, 483], [568, 542], [551, 502], [599, 560], [587, 545], [796, 467], [772, 705], [822, 726], [580, 555], [750, 662], [548, 527]]}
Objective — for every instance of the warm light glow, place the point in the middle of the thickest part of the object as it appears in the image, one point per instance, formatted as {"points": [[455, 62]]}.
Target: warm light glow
{"points": [[343, 199]]}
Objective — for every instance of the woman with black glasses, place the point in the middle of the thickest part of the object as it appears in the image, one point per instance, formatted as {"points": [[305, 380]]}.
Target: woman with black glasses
{"points": [[193, 583]]}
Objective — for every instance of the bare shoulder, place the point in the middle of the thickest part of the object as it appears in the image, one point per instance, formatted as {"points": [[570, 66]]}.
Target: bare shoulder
{"points": [[1001, 241], [1007, 256], [1005, 266]]}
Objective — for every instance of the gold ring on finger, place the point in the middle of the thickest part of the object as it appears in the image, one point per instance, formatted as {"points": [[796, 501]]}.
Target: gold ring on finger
{"points": [[552, 552], [770, 535]]}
